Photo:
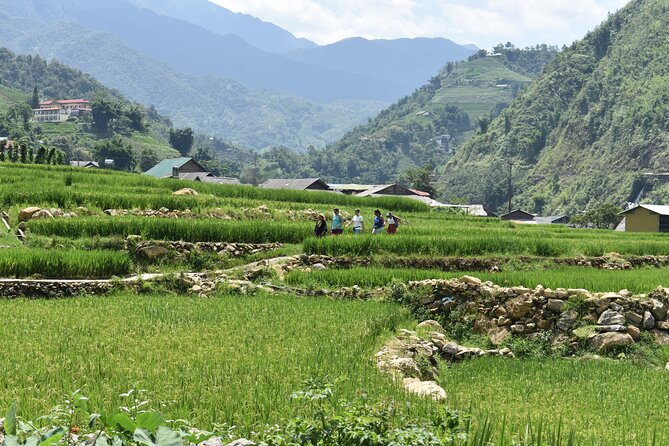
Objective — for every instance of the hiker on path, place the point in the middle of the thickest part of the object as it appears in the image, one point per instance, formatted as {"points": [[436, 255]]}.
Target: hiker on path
{"points": [[321, 229], [357, 222], [393, 222], [337, 223], [379, 223]]}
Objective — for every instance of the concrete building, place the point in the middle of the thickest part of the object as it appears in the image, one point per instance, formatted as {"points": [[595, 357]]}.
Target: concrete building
{"points": [[60, 111], [187, 169]]}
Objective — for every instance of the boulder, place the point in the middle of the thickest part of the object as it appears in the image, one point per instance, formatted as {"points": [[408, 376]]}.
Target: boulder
{"points": [[658, 310], [555, 305], [607, 341], [567, 320], [634, 318], [634, 332], [318, 267], [662, 325], [42, 214], [152, 252], [499, 335], [470, 280], [186, 191], [519, 307], [424, 388], [518, 329], [661, 337], [610, 328], [432, 325], [27, 213], [611, 317], [648, 322]]}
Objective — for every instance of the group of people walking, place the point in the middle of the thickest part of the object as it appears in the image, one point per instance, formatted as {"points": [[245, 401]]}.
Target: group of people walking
{"points": [[339, 223]]}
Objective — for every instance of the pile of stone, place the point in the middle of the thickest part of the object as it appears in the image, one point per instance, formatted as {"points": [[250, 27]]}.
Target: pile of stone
{"points": [[36, 213], [153, 250], [413, 359], [605, 320], [52, 288]]}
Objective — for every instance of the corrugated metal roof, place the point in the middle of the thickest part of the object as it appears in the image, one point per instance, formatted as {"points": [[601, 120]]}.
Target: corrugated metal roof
{"points": [[296, 184], [164, 168], [654, 208], [376, 190]]}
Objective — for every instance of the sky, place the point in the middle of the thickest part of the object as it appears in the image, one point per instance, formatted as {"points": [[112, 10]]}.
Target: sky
{"points": [[482, 22]]}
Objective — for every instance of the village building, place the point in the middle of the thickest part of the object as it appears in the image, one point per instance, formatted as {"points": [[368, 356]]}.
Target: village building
{"points": [[518, 215], [297, 184], [552, 220], [187, 169], [646, 218], [389, 189], [61, 110], [85, 164]]}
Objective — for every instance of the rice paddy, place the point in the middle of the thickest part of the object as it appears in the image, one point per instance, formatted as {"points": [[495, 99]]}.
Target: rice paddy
{"points": [[236, 359]]}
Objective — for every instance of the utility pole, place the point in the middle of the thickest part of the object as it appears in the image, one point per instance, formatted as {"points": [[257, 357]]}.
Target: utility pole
{"points": [[510, 184]]}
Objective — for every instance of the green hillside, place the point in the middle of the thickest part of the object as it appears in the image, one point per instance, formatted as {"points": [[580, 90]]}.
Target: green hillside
{"points": [[424, 128], [587, 130], [20, 74]]}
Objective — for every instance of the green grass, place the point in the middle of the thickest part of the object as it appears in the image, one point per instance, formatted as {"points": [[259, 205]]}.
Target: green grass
{"points": [[637, 281], [605, 402], [225, 359], [63, 264]]}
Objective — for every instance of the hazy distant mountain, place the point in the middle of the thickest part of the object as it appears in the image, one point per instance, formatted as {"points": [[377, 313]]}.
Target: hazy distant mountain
{"points": [[405, 62], [214, 18]]}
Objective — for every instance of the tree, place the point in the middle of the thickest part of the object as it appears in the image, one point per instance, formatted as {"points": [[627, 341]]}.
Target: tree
{"points": [[117, 150], [23, 151], [147, 159], [34, 101], [421, 178], [40, 158], [137, 117], [104, 111], [182, 140]]}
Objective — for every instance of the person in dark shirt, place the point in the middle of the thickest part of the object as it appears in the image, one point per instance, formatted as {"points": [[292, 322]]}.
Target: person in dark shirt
{"points": [[321, 228]]}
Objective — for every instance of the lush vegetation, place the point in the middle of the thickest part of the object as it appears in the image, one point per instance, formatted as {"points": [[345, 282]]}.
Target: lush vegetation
{"points": [[62, 264], [586, 131]]}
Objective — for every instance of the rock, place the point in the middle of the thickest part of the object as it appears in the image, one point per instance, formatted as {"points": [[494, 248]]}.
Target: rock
{"points": [[615, 306], [567, 320], [241, 442], [470, 280], [111, 212], [57, 213], [213, 441], [427, 300], [658, 310], [648, 322], [23, 226], [152, 252], [610, 328], [585, 332], [42, 214], [611, 317], [502, 321], [318, 267], [424, 388], [661, 337], [518, 329], [634, 332], [27, 213], [186, 191], [432, 325], [555, 305], [607, 341], [634, 318], [519, 307], [544, 324], [405, 366], [662, 325], [499, 335], [500, 311]]}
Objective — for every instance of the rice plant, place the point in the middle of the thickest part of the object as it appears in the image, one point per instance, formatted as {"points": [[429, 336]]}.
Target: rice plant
{"points": [[61, 264]]}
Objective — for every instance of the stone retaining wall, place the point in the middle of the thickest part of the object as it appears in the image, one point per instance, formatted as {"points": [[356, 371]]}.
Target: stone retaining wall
{"points": [[605, 320], [52, 289]]}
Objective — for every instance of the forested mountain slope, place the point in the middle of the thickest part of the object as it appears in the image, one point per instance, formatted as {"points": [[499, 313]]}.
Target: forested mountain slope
{"points": [[425, 127], [596, 120]]}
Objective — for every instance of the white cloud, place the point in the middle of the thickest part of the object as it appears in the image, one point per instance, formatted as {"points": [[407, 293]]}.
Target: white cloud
{"points": [[484, 22]]}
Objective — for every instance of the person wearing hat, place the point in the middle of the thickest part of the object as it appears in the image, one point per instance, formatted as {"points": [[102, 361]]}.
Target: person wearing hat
{"points": [[337, 223], [379, 223], [393, 223], [357, 222], [321, 229]]}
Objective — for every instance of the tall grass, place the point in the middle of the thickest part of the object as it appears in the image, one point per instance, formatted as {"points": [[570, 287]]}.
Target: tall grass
{"points": [[604, 402], [58, 264], [637, 281], [206, 230], [460, 243]]}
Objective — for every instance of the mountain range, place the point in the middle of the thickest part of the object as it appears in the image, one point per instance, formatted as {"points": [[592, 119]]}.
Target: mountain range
{"points": [[215, 81], [587, 131]]}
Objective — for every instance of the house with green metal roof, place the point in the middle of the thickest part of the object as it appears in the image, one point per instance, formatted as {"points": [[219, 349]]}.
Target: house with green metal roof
{"points": [[175, 168]]}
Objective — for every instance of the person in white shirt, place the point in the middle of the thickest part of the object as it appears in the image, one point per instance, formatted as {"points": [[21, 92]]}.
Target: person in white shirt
{"points": [[357, 222], [393, 222]]}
